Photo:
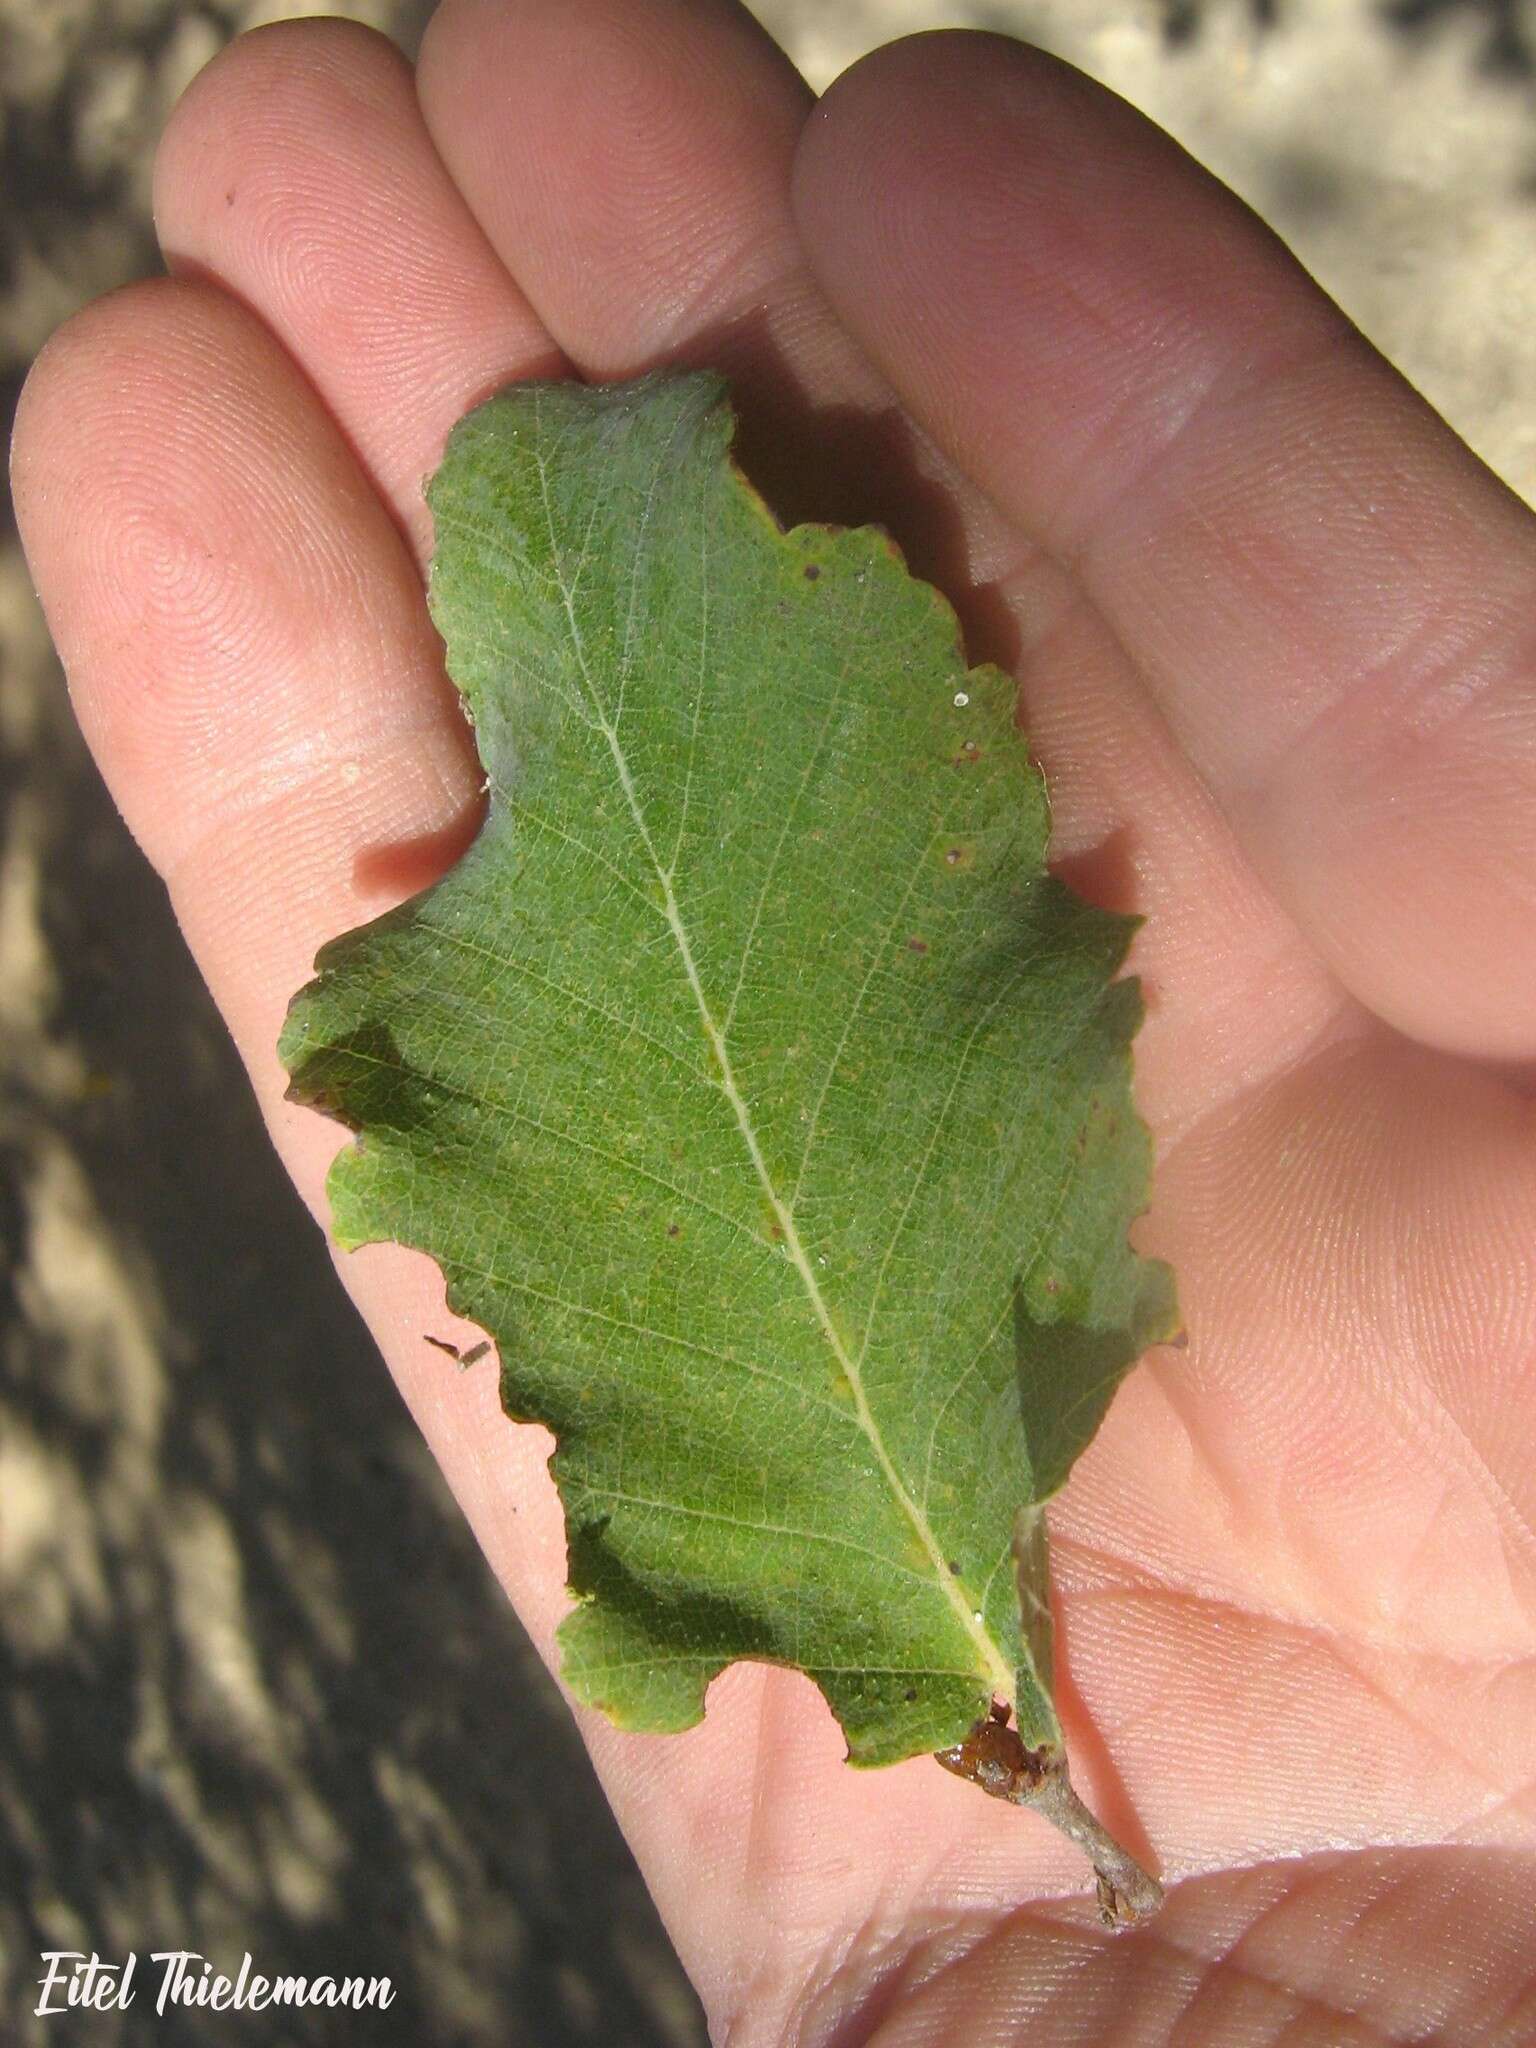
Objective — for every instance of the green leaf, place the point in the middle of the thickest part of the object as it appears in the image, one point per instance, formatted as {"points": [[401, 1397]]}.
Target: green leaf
{"points": [[750, 1080]]}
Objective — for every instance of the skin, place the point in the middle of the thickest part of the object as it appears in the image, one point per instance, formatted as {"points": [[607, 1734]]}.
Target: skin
{"points": [[1273, 627]]}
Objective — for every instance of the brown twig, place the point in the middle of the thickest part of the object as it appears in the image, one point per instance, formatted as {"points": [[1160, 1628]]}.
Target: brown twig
{"points": [[993, 1756]]}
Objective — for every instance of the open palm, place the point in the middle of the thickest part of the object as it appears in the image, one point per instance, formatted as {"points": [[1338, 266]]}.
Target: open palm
{"points": [[1273, 626]]}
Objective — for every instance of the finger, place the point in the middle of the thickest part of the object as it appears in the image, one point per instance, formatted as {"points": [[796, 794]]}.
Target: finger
{"points": [[251, 660], [632, 172], [1331, 599], [297, 172], [671, 125], [244, 632]]}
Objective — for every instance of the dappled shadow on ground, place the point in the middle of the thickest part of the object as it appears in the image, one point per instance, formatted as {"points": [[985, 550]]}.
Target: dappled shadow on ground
{"points": [[1505, 38], [1504, 29]]}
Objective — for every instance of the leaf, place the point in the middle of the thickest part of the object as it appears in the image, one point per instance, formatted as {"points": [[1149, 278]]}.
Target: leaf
{"points": [[750, 1080]]}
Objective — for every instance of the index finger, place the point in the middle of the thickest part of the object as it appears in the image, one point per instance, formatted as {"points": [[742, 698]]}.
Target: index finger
{"points": [[1333, 602]]}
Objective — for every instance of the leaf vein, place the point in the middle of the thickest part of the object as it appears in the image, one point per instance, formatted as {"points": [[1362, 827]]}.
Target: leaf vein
{"points": [[833, 707], [992, 1666]]}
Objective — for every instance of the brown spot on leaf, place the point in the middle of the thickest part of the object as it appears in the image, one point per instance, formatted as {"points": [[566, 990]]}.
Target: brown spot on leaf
{"points": [[917, 945], [674, 1230], [968, 755], [812, 571]]}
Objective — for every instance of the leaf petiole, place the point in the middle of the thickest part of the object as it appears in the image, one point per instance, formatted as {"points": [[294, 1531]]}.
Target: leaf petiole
{"points": [[994, 1757]]}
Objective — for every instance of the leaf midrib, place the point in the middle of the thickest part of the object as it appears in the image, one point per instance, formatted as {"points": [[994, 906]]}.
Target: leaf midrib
{"points": [[993, 1668]]}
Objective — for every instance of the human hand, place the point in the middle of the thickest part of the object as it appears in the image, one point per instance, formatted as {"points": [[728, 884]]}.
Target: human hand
{"points": [[1273, 628]]}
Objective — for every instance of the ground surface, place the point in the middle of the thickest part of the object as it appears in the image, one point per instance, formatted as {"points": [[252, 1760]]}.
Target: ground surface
{"points": [[256, 1689]]}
